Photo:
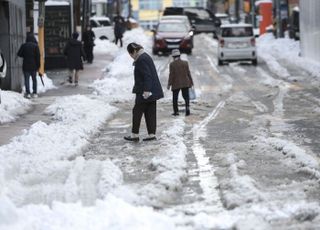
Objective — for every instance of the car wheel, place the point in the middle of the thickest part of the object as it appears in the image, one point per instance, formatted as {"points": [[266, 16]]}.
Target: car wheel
{"points": [[254, 62], [220, 62], [104, 38], [154, 52]]}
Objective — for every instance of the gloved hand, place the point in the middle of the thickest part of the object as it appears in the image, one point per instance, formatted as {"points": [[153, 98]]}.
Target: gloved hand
{"points": [[146, 95]]}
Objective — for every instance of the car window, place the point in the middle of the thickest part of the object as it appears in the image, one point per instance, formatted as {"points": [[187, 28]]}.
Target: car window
{"points": [[198, 13], [94, 24], [172, 27], [237, 32], [104, 22]]}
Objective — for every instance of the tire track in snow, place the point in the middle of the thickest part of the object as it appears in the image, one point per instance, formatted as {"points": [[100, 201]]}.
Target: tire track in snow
{"points": [[207, 178]]}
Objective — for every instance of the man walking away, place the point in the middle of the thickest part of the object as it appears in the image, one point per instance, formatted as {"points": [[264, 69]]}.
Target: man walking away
{"points": [[30, 53], [88, 43], [179, 79], [119, 27], [74, 53], [3, 69], [147, 89]]}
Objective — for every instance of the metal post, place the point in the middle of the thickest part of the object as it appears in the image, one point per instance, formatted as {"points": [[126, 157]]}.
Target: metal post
{"points": [[279, 21], [237, 6], [253, 13], [41, 35], [72, 16]]}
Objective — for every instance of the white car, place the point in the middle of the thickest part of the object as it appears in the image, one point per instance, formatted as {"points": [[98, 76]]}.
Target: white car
{"points": [[102, 28], [237, 43]]}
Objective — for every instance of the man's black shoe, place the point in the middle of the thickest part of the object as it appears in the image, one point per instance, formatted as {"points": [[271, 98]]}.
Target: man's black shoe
{"points": [[175, 114], [150, 138], [187, 112], [129, 138]]}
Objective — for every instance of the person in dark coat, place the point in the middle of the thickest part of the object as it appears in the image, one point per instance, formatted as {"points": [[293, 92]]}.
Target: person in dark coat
{"points": [[74, 53], [30, 53], [88, 43], [147, 89], [119, 27], [179, 79]]}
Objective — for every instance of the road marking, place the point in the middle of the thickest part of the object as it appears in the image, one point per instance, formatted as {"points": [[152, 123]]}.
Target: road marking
{"points": [[213, 65], [207, 179]]}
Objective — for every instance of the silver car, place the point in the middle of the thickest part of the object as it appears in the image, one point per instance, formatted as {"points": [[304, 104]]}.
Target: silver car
{"points": [[237, 43]]}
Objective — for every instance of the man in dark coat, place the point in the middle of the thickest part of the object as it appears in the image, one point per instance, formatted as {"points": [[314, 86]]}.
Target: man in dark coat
{"points": [[119, 27], [179, 79], [88, 43], [74, 53], [30, 53], [148, 90]]}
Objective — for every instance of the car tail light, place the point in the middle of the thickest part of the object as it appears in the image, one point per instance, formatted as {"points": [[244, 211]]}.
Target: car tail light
{"points": [[221, 42], [253, 42], [186, 43], [160, 43]]}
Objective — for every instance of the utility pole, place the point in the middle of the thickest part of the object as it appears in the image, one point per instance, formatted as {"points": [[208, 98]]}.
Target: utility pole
{"points": [[41, 34], [237, 9], [253, 13]]}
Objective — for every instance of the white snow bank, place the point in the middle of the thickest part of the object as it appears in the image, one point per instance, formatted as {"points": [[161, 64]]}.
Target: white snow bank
{"points": [[12, 105], [271, 49], [118, 81], [105, 47], [39, 158], [110, 213]]}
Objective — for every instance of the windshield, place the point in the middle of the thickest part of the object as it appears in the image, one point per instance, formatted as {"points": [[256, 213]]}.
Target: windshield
{"points": [[237, 32], [104, 23], [172, 27]]}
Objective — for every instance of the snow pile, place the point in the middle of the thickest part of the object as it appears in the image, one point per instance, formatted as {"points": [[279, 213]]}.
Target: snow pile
{"points": [[32, 161], [271, 49], [118, 81], [239, 189], [304, 161], [12, 105], [105, 46], [172, 164], [110, 213]]}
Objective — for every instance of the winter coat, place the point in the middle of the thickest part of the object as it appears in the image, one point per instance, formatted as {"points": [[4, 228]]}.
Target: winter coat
{"points": [[3, 66], [88, 38], [74, 51], [179, 76], [30, 53], [119, 24], [146, 79]]}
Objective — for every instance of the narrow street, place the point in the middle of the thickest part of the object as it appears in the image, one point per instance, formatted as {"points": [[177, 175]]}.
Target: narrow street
{"points": [[246, 145]]}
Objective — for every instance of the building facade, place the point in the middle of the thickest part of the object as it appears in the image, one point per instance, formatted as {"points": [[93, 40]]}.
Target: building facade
{"points": [[148, 12], [310, 29], [12, 35]]}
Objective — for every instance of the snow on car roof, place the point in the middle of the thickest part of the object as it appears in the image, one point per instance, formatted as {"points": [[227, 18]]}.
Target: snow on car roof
{"points": [[236, 25], [100, 18]]}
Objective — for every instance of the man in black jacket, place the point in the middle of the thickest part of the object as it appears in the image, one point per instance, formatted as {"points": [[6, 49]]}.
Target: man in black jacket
{"points": [[74, 53], [119, 28], [88, 43], [30, 53], [148, 90]]}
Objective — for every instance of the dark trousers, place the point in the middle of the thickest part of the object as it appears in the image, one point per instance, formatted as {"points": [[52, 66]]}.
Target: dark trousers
{"points": [[89, 53], [175, 95], [118, 39], [149, 109], [33, 75]]}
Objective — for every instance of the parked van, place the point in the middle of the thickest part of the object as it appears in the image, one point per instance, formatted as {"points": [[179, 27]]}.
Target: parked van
{"points": [[102, 28], [237, 43]]}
